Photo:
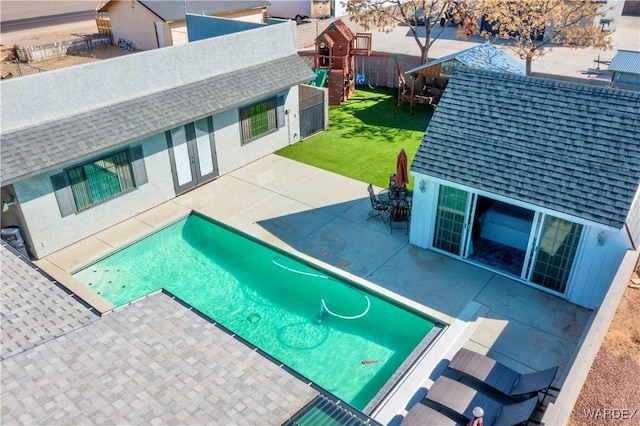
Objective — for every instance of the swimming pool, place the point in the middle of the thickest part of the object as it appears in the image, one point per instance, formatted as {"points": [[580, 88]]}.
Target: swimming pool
{"points": [[344, 338]]}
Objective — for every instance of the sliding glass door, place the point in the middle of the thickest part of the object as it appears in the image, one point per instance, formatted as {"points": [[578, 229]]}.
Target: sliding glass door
{"points": [[532, 246], [451, 218], [554, 255]]}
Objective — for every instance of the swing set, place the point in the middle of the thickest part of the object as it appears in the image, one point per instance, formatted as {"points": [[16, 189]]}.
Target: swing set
{"points": [[361, 77]]}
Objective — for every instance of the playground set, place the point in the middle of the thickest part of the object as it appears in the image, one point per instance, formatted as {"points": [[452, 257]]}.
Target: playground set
{"points": [[334, 61], [339, 61]]}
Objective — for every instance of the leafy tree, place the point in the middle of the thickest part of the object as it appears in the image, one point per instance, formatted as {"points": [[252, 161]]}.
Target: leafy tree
{"points": [[386, 14], [536, 26]]}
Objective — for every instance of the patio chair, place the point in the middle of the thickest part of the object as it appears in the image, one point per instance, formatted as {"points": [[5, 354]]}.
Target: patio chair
{"points": [[501, 377], [421, 415], [378, 207], [462, 399], [400, 214]]}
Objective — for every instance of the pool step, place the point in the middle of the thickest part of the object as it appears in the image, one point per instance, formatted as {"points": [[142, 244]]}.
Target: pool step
{"points": [[323, 411]]}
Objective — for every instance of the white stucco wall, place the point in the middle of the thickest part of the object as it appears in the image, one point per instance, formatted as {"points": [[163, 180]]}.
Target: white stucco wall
{"points": [[48, 232], [135, 23], [232, 154]]}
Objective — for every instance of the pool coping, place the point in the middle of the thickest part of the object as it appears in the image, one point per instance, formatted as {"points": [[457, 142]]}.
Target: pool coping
{"points": [[427, 342]]}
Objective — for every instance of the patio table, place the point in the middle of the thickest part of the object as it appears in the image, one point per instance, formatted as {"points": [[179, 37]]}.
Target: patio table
{"points": [[396, 198]]}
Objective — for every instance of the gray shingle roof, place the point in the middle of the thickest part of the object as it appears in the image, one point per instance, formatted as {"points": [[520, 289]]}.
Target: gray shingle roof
{"points": [[52, 144], [175, 10], [626, 61], [567, 147]]}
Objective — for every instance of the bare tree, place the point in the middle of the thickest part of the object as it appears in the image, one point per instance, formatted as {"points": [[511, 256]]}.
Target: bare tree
{"points": [[536, 26], [386, 14]]}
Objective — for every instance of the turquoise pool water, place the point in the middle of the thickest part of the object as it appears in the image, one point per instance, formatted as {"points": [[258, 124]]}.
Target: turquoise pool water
{"points": [[319, 326]]}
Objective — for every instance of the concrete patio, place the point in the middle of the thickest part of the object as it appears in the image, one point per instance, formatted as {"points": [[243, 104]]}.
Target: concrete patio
{"points": [[321, 217]]}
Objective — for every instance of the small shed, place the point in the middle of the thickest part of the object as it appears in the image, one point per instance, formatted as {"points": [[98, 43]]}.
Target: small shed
{"points": [[625, 68], [428, 81], [531, 178]]}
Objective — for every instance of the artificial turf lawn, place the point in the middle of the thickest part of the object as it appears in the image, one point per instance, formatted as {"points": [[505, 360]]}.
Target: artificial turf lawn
{"points": [[365, 135]]}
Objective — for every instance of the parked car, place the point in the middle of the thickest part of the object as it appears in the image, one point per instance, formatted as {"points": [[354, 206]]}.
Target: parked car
{"points": [[417, 18], [453, 14]]}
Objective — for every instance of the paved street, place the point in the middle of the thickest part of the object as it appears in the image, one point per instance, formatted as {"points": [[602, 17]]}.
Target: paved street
{"points": [[11, 10], [560, 60]]}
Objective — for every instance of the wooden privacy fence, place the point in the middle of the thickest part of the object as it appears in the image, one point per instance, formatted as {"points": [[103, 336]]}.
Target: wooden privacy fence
{"points": [[61, 48], [380, 69]]}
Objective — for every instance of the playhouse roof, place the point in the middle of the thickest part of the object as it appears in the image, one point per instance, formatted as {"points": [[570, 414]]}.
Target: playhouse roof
{"points": [[336, 29], [568, 147], [171, 10], [484, 56]]}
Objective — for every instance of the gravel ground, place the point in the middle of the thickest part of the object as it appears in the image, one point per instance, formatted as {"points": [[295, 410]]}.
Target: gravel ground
{"points": [[22, 69], [613, 382]]}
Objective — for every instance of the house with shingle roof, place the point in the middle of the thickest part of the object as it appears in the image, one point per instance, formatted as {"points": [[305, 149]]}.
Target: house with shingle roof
{"points": [[535, 179], [86, 147], [153, 24]]}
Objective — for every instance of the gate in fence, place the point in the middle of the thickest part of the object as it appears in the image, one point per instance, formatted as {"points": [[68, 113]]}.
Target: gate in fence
{"points": [[312, 111]]}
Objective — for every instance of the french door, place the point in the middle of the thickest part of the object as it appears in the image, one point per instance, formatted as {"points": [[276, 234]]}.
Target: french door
{"points": [[193, 159]]}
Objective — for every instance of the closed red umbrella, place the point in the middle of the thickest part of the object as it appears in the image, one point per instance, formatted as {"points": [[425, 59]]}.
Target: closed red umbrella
{"points": [[402, 175]]}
